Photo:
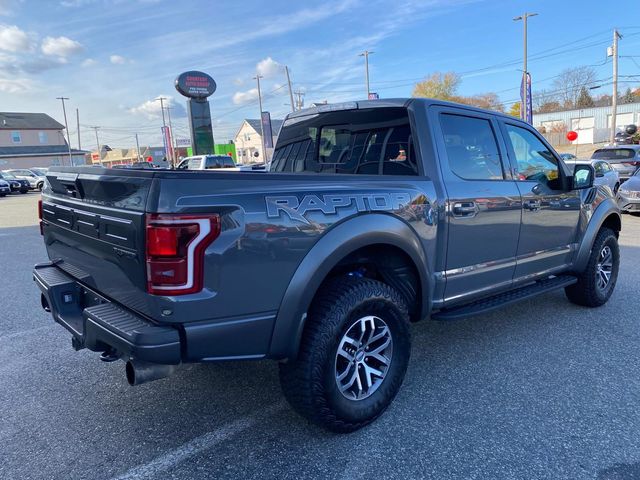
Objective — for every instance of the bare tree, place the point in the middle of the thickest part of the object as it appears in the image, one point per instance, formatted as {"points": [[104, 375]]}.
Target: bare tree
{"points": [[569, 83]]}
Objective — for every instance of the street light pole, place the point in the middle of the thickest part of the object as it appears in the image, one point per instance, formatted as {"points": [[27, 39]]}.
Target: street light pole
{"points": [[366, 54], [525, 72], [66, 126], [264, 149]]}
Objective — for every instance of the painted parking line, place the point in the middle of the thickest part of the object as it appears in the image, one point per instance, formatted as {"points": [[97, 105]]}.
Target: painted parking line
{"points": [[197, 445]]}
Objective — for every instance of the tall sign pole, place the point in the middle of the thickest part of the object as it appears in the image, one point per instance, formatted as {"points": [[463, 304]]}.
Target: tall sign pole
{"points": [[78, 127], [197, 87]]}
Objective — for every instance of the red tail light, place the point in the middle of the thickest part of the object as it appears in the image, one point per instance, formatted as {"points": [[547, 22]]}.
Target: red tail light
{"points": [[40, 216], [175, 251]]}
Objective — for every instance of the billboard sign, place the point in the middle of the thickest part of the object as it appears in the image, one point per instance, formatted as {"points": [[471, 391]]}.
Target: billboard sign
{"points": [[526, 113], [183, 142], [194, 84], [374, 96], [266, 130]]}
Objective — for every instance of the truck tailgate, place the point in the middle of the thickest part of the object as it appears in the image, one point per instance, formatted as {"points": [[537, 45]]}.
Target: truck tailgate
{"points": [[93, 226]]}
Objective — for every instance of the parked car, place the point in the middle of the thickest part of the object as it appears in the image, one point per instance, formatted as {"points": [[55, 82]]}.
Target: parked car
{"points": [[625, 160], [623, 138], [399, 210], [36, 182], [17, 185], [5, 188], [208, 162], [629, 194], [606, 175], [42, 171]]}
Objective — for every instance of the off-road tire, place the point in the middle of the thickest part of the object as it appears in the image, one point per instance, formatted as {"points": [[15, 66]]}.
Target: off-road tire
{"points": [[309, 381], [586, 292]]}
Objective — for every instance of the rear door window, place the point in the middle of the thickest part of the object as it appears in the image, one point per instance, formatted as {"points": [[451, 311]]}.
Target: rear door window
{"points": [[364, 142], [471, 147]]}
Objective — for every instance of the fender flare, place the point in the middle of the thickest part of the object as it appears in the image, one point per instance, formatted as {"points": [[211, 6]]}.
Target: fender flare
{"points": [[336, 244], [603, 211]]}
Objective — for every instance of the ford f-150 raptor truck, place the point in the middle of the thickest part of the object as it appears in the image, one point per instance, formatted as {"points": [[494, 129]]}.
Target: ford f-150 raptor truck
{"points": [[372, 215]]}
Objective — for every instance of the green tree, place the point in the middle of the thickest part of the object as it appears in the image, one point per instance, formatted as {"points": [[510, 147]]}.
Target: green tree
{"points": [[515, 110], [584, 99], [438, 85], [628, 97]]}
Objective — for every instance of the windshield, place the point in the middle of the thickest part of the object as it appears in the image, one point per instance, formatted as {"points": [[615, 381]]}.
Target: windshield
{"points": [[614, 153]]}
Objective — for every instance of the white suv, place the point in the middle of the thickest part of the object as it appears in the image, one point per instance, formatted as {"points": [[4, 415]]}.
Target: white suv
{"points": [[36, 182]]}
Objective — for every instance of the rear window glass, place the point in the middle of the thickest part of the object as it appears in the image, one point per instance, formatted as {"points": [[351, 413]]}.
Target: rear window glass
{"points": [[219, 162], [614, 153], [366, 142]]}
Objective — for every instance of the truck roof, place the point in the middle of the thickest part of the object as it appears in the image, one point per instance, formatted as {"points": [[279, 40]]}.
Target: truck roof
{"points": [[390, 103]]}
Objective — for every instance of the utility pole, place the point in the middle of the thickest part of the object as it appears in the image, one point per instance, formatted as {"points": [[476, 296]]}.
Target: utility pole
{"points": [[164, 126], [78, 127], [366, 54], [98, 145], [66, 126], [299, 99], [293, 107], [614, 97], [138, 148], [525, 72], [264, 150]]}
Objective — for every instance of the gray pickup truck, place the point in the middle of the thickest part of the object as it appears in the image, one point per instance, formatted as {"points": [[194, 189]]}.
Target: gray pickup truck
{"points": [[373, 215]]}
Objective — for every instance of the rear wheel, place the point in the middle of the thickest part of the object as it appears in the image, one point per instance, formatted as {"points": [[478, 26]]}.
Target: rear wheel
{"points": [[353, 355], [39, 186], [596, 283]]}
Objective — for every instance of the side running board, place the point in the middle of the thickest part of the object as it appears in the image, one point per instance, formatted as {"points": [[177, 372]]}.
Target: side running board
{"points": [[497, 301]]}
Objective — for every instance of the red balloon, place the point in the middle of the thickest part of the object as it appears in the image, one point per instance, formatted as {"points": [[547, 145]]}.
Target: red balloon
{"points": [[571, 136]]}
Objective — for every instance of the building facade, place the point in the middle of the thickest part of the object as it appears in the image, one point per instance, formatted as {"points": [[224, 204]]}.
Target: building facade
{"points": [[593, 125], [34, 140], [248, 141]]}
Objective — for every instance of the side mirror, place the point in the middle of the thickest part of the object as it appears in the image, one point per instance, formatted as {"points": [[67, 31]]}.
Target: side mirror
{"points": [[583, 176]]}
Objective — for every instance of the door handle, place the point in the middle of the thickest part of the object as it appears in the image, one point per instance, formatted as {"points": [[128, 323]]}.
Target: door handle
{"points": [[532, 205], [464, 209]]}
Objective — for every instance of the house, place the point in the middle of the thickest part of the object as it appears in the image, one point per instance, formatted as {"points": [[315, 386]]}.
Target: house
{"points": [[34, 140], [593, 125], [248, 140]]}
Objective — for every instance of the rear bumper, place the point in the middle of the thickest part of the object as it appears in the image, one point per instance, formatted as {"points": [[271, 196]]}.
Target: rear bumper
{"points": [[100, 325]]}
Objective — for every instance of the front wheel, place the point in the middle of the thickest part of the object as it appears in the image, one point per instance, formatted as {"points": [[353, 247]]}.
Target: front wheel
{"points": [[353, 355], [596, 283]]}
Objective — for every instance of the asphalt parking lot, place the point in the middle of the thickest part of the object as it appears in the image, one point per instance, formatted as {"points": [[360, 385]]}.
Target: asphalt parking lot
{"points": [[542, 389]]}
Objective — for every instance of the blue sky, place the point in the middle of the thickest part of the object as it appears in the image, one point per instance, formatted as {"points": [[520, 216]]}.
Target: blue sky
{"points": [[113, 57]]}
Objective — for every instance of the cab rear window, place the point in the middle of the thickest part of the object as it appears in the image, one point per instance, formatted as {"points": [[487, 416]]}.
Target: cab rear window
{"points": [[365, 142]]}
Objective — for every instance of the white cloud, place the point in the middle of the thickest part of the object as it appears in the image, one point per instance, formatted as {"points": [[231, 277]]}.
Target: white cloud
{"points": [[89, 62], [60, 46], [16, 85], [118, 60], [152, 108], [245, 97], [13, 39], [269, 67]]}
